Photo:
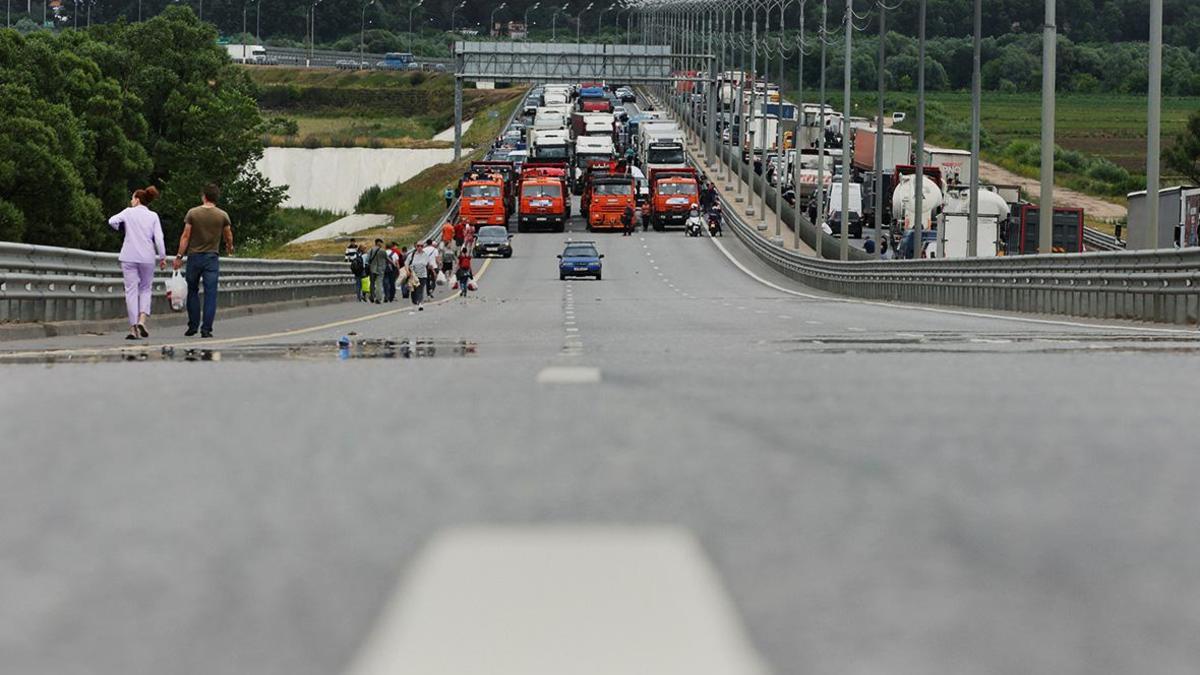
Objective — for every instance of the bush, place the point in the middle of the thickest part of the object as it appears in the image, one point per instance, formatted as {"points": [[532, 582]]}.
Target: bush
{"points": [[368, 201]]}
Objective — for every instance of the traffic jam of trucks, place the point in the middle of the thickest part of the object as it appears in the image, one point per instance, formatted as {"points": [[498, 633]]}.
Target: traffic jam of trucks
{"points": [[800, 146], [582, 140]]}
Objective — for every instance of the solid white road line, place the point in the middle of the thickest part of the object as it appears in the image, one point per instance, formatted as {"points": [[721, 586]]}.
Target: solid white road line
{"points": [[556, 600], [568, 375], [937, 310]]}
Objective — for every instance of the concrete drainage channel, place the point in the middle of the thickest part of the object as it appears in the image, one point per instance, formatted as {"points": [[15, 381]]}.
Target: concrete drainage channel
{"points": [[343, 349]]}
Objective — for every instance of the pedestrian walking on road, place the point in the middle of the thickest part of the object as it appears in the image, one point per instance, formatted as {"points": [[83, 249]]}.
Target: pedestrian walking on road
{"points": [[447, 233], [377, 264], [358, 267], [204, 227], [448, 193], [469, 235], [393, 271], [435, 264], [464, 273], [627, 222], [449, 252], [418, 273], [460, 234], [143, 247], [641, 215]]}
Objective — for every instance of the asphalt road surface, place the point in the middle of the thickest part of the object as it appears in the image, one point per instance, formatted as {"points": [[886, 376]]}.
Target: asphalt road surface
{"points": [[841, 486]]}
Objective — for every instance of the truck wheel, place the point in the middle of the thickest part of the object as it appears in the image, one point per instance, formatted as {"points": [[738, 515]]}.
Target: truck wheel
{"points": [[521, 226], [597, 276]]}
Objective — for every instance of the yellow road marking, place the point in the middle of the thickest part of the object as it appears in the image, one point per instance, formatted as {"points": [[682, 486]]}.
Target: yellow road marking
{"points": [[230, 341]]}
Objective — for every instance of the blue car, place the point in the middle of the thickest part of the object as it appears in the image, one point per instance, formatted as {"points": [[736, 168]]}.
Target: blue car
{"points": [[580, 259]]}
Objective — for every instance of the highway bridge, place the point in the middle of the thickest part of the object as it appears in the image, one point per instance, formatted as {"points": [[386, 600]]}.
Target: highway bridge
{"points": [[700, 464]]}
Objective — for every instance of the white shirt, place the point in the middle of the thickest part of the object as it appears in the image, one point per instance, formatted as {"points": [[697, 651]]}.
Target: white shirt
{"points": [[420, 260]]}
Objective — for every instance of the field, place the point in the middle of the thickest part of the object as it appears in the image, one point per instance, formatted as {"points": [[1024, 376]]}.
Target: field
{"points": [[1111, 126], [378, 109]]}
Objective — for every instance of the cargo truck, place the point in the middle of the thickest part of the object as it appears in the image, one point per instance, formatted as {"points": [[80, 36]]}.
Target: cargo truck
{"points": [[606, 196], [482, 201], [955, 165], [897, 149], [1066, 232], [673, 192], [543, 196]]}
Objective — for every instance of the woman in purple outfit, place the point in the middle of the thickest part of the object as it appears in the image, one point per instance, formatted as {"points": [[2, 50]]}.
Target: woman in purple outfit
{"points": [[142, 248]]}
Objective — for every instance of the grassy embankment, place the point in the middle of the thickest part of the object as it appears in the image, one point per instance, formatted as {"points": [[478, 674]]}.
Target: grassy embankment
{"points": [[416, 203], [372, 109], [1101, 139]]}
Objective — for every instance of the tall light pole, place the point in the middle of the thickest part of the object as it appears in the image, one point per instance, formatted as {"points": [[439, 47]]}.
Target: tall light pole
{"points": [[258, 21], [527, 11], [801, 125], [1154, 127], [362, 35], [579, 20], [821, 134], [492, 20], [411, 37], [600, 18], [312, 31], [554, 19], [1049, 63], [976, 102], [882, 75], [919, 172], [846, 72], [455, 11]]}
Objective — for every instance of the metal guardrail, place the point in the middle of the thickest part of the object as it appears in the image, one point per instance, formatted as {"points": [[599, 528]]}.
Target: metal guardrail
{"points": [[299, 56], [1158, 286], [46, 283], [1096, 240]]}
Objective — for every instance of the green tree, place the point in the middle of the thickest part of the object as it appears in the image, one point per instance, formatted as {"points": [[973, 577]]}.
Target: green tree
{"points": [[1184, 156]]}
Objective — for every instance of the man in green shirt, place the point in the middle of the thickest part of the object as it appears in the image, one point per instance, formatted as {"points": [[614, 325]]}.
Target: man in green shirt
{"points": [[203, 228]]}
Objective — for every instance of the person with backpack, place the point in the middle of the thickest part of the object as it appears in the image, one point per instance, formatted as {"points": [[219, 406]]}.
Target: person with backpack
{"points": [[377, 264], [464, 273], [418, 264], [448, 193], [358, 268]]}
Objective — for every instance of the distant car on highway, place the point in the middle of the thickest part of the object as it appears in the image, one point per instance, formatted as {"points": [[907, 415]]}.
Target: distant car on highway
{"points": [[580, 259], [396, 61], [626, 95], [493, 240]]}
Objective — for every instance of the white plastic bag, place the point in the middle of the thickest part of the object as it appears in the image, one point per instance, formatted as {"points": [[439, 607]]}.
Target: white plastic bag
{"points": [[454, 285], [177, 291], [472, 286], [441, 279]]}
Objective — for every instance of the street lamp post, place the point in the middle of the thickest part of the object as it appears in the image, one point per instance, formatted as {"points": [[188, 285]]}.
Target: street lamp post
{"points": [[881, 74], [554, 20], [919, 172], [579, 20], [312, 31], [1049, 63], [455, 11], [362, 35], [844, 221], [411, 37], [527, 11], [492, 20], [821, 134], [801, 125]]}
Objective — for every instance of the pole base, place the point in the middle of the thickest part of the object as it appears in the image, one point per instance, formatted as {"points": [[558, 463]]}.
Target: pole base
{"points": [[778, 241]]}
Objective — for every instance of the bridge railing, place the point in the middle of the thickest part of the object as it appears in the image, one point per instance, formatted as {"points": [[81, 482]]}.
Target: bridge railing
{"points": [[48, 283]]}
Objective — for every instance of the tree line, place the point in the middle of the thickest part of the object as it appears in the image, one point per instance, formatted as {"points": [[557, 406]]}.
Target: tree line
{"points": [[91, 115], [1081, 21]]}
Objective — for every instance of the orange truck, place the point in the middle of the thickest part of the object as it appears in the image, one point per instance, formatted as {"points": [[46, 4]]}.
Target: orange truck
{"points": [[482, 200], [608, 189], [543, 197], [673, 193]]}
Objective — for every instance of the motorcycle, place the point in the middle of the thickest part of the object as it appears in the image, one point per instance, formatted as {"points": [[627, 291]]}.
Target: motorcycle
{"points": [[692, 226], [714, 223]]}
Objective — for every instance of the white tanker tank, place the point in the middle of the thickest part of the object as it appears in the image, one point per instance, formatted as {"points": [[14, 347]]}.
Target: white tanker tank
{"points": [[904, 202]]}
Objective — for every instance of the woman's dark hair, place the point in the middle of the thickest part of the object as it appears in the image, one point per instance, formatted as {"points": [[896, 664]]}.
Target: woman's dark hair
{"points": [[146, 195]]}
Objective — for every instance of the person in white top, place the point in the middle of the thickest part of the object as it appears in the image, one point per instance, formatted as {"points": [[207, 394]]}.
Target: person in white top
{"points": [[418, 264], [143, 247]]}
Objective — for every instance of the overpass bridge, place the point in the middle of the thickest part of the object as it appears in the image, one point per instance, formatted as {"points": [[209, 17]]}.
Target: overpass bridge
{"points": [[725, 457]]}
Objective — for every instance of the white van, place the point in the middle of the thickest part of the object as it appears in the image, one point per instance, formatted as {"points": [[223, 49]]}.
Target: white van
{"points": [[833, 208]]}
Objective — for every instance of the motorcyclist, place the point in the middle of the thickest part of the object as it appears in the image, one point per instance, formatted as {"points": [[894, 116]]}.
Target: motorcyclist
{"points": [[714, 221], [693, 224]]}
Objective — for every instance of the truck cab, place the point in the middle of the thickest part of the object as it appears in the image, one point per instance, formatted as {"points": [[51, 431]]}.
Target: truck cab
{"points": [[591, 149], [543, 197], [482, 200], [609, 188], [673, 193]]}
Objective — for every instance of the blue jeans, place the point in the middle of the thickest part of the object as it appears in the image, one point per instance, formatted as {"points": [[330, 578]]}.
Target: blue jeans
{"points": [[206, 268]]}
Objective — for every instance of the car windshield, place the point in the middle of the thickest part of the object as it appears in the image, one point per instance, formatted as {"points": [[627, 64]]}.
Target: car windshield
{"points": [[614, 189], [481, 191], [580, 252], [677, 188], [592, 157], [665, 156], [550, 190], [493, 232], [552, 151]]}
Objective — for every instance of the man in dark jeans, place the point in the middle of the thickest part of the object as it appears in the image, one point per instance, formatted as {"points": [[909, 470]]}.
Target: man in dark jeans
{"points": [[204, 227]]}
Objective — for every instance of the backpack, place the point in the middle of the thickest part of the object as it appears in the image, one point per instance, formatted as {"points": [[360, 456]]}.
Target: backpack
{"points": [[357, 268]]}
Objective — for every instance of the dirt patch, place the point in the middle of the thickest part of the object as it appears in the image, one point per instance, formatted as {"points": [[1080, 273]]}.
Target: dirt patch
{"points": [[1093, 207]]}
